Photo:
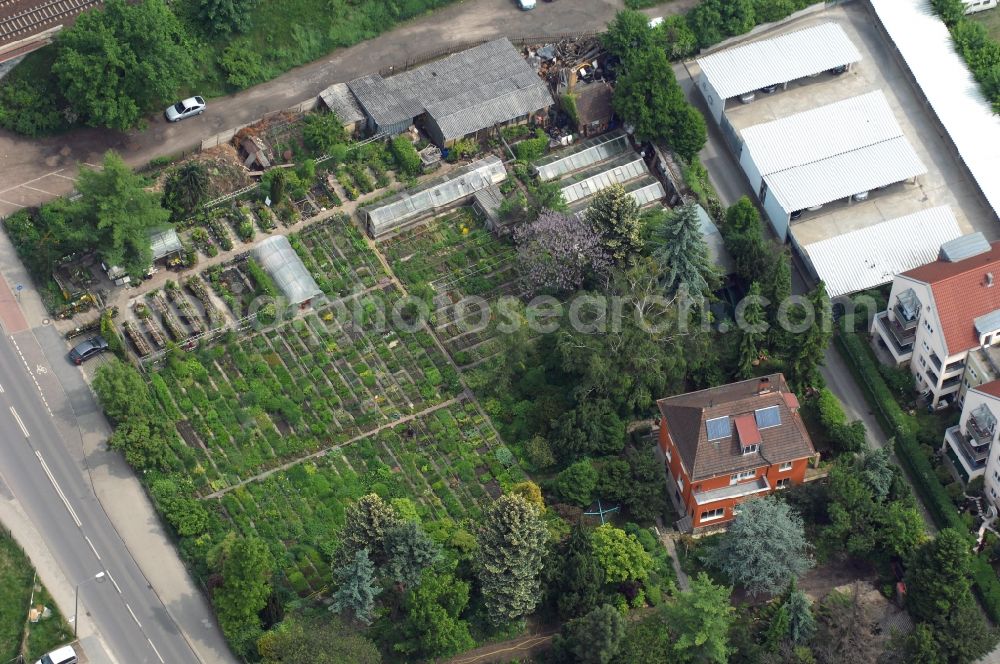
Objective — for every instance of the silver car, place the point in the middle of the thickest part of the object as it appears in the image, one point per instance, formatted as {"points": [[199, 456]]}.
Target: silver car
{"points": [[185, 109]]}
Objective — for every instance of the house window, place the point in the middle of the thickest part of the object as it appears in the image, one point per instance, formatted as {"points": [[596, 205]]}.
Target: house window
{"points": [[993, 492], [711, 515], [923, 361], [783, 482], [973, 372], [742, 477], [785, 466], [670, 457], [996, 476], [926, 347], [750, 449]]}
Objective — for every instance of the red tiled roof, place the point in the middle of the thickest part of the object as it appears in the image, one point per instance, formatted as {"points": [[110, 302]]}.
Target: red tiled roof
{"points": [[961, 294], [685, 416], [746, 427], [791, 400], [992, 388]]}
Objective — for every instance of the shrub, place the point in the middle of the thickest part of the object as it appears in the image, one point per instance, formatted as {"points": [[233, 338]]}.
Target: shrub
{"points": [[29, 108], [261, 279], [532, 148], [242, 64], [576, 484], [323, 132], [407, 159]]}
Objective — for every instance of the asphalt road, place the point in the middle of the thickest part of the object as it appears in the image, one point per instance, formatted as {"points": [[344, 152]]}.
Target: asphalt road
{"points": [[41, 464]]}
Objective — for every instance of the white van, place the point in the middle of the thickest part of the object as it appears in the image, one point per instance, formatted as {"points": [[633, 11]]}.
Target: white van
{"points": [[64, 655], [974, 6]]}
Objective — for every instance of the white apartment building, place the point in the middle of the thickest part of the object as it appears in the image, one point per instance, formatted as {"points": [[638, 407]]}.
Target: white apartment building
{"points": [[940, 311], [971, 444]]}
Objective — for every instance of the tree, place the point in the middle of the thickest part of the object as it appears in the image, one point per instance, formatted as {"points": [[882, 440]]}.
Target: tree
{"points": [[143, 441], [714, 20], [950, 11], [614, 215], [356, 587], [578, 587], [530, 492], [801, 624], [628, 34], [687, 132], [678, 39], [592, 639], [679, 247], [845, 630], [365, 526], [875, 471], [123, 213], [222, 17], [805, 351], [853, 513], [115, 63], [406, 156], [938, 576], [698, 622], [767, 11], [432, 627], [592, 428], [576, 483], [764, 547], [620, 554], [920, 647], [185, 189], [743, 234], [409, 551], [645, 495], [246, 572], [776, 286], [323, 132], [558, 252], [122, 392], [511, 547], [297, 639], [276, 189], [752, 332]]}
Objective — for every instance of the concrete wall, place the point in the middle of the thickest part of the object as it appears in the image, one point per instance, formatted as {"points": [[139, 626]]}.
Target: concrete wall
{"points": [[750, 169], [778, 216], [716, 106]]}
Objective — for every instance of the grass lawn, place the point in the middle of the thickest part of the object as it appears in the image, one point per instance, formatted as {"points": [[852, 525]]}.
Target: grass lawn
{"points": [[991, 19], [16, 576]]}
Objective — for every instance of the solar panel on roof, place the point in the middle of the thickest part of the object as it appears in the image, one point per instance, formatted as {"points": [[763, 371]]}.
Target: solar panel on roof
{"points": [[767, 417], [718, 428]]}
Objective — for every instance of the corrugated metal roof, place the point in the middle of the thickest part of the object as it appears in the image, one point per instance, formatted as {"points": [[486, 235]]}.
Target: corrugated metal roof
{"points": [[412, 204], [964, 247], [873, 256], [276, 256], [618, 174], [821, 132], [341, 101], [463, 93], [788, 57], [926, 46], [582, 155], [845, 174]]}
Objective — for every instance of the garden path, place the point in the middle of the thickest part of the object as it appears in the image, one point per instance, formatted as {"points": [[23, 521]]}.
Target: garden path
{"points": [[667, 537], [325, 450]]}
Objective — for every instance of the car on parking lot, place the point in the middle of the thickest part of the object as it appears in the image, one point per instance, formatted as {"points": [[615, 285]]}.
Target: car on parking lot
{"points": [[85, 350], [64, 655], [185, 109], [526, 4], [837, 71], [768, 89]]}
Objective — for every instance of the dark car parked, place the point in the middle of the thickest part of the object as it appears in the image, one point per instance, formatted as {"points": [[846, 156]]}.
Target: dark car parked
{"points": [[85, 350]]}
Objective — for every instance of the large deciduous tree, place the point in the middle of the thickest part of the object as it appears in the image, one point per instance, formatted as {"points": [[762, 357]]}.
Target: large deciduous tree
{"points": [[124, 214], [679, 248], [559, 252], [511, 549], [764, 547], [432, 627], [122, 391], [222, 17], [698, 621], [620, 554], [246, 569], [356, 587], [115, 63]]}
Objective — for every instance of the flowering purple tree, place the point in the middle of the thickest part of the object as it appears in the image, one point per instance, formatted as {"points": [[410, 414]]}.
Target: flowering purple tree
{"points": [[558, 252]]}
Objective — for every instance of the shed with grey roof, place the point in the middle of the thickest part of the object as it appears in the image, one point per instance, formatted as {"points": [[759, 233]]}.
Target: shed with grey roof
{"points": [[276, 256], [490, 84], [339, 99], [434, 195]]}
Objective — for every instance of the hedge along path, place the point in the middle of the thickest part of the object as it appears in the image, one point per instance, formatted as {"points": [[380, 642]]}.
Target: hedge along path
{"points": [[327, 450]]}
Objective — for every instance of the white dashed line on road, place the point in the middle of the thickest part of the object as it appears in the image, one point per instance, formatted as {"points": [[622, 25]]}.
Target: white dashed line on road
{"points": [[134, 617], [1, 389], [114, 583], [92, 547], [154, 650]]}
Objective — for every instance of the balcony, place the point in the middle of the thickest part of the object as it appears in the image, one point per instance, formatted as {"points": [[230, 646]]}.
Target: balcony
{"points": [[935, 361], [955, 366], [908, 324], [900, 339], [933, 378], [952, 383], [973, 455], [734, 491], [981, 425]]}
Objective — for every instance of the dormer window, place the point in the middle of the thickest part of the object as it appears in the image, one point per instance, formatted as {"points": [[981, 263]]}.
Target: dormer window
{"points": [[751, 449]]}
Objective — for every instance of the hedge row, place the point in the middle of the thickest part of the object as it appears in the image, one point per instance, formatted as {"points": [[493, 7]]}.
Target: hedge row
{"points": [[918, 467]]}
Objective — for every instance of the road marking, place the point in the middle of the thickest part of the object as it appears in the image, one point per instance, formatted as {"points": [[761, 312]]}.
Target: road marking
{"points": [[42, 191], [114, 583], [4, 191], [1, 389], [133, 615], [59, 491], [17, 417], [92, 547], [155, 650], [17, 205]]}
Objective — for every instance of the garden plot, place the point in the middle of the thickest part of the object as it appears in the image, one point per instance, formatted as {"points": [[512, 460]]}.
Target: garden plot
{"points": [[448, 259], [449, 463], [306, 385], [338, 257]]}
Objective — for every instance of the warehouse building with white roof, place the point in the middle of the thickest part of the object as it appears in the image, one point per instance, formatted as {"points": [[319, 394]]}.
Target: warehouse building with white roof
{"points": [[840, 151]]}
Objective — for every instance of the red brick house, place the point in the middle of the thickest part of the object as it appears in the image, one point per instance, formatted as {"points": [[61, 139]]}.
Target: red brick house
{"points": [[726, 444]]}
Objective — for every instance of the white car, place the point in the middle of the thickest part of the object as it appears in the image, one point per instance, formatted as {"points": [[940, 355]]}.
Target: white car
{"points": [[64, 655], [526, 4], [185, 109]]}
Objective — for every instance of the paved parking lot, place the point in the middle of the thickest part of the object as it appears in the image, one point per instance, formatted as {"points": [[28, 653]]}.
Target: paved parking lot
{"points": [[945, 182]]}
